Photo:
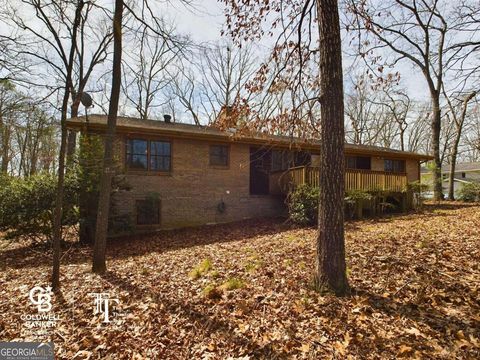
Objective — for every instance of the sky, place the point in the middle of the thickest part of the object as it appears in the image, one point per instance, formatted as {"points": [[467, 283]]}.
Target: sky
{"points": [[203, 22]]}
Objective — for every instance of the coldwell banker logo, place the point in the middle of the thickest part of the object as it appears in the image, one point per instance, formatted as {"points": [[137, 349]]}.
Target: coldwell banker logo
{"points": [[42, 298], [43, 319]]}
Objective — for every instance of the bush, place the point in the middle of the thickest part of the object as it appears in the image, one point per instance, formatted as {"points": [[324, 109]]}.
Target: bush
{"points": [[417, 189], [303, 205], [27, 205], [354, 199], [469, 192]]}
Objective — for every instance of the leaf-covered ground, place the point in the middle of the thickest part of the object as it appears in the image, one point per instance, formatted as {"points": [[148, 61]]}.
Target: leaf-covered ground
{"points": [[243, 291]]}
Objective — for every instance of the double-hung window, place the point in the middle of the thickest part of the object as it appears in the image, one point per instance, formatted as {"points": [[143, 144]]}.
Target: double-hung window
{"points": [[149, 155], [219, 155], [394, 166]]}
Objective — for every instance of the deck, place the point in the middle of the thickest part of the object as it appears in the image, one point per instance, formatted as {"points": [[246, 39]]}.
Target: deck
{"points": [[368, 180]]}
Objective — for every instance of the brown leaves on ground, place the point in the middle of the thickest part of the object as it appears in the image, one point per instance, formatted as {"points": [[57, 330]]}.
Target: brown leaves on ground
{"points": [[243, 291]]}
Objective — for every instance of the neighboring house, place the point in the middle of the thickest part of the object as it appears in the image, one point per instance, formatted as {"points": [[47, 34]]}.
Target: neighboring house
{"points": [[464, 173], [201, 175]]}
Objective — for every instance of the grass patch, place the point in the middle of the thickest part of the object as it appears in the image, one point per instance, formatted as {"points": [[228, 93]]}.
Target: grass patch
{"points": [[288, 262], [254, 264], [213, 292], [201, 269], [215, 274], [233, 284]]}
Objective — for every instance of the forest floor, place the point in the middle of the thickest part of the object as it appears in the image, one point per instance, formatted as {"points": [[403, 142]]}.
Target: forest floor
{"points": [[243, 291]]}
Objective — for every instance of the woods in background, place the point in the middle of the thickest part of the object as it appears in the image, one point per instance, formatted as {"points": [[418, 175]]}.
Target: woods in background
{"points": [[27, 133]]}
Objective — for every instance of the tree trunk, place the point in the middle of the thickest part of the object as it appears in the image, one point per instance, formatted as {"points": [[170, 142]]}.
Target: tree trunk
{"points": [[57, 226], [331, 268], [57, 223], [436, 126], [72, 134], [459, 127], [5, 145], [453, 162], [99, 249]]}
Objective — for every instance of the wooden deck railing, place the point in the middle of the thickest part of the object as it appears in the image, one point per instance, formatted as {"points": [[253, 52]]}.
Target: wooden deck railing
{"points": [[354, 179]]}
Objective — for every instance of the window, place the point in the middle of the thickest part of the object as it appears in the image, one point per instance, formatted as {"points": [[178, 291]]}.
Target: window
{"points": [[395, 166], [284, 159], [159, 156], [148, 212], [464, 175], [137, 154], [219, 155], [358, 162], [148, 155], [280, 160]]}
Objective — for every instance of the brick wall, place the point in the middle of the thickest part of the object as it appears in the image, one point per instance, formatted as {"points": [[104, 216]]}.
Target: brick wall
{"points": [[190, 194], [412, 170]]}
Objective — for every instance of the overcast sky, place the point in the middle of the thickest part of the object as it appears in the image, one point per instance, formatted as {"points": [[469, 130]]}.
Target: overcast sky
{"points": [[203, 21]]}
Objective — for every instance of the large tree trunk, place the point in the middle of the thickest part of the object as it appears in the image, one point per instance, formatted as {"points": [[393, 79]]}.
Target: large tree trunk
{"points": [[331, 268], [58, 213], [436, 126], [99, 265]]}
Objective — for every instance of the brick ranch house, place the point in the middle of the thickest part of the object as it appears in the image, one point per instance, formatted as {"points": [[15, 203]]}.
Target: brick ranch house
{"points": [[201, 175]]}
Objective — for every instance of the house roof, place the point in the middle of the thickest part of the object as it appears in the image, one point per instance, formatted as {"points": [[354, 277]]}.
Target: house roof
{"points": [[130, 125], [463, 167]]}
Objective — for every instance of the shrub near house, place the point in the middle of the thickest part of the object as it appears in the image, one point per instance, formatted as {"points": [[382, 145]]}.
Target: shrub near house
{"points": [[27, 205], [469, 192]]}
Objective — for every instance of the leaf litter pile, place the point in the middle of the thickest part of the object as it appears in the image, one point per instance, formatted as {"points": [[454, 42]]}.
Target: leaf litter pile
{"points": [[243, 291]]}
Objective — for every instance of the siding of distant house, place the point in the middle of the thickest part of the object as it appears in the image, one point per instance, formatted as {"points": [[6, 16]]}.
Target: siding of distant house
{"points": [[470, 176], [191, 192]]}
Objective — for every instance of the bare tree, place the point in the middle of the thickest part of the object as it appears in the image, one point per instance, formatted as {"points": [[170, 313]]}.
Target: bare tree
{"points": [[418, 131], [331, 273], [458, 112], [225, 72], [145, 70], [99, 264], [43, 45], [313, 63], [184, 86], [472, 136], [427, 34], [98, 36], [377, 115], [10, 102]]}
